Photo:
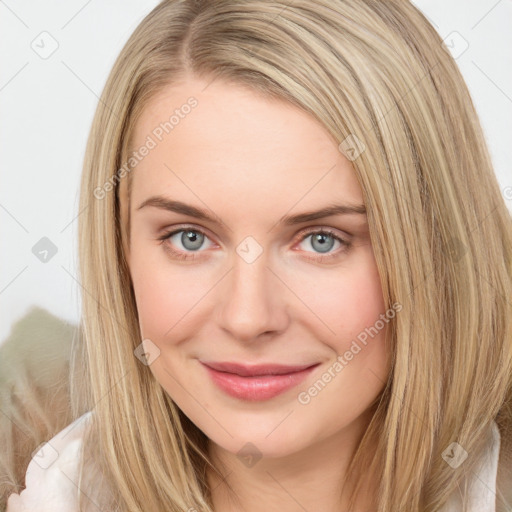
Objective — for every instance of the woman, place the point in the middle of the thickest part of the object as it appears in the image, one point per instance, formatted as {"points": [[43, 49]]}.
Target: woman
{"points": [[297, 271]]}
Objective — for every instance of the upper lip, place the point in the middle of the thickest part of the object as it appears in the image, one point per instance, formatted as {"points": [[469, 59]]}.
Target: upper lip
{"points": [[257, 369]]}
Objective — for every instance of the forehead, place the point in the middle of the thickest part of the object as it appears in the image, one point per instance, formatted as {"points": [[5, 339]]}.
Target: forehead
{"points": [[229, 142]]}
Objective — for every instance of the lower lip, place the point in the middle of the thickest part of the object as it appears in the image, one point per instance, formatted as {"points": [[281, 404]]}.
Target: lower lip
{"points": [[259, 388]]}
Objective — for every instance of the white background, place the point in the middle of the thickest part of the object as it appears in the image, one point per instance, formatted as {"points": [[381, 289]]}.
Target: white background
{"points": [[47, 107]]}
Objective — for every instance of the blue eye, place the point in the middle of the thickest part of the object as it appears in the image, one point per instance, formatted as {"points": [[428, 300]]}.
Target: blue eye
{"points": [[190, 240], [323, 241]]}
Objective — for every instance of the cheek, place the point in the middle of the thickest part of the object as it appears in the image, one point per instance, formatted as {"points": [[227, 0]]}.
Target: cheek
{"points": [[361, 297], [167, 295], [348, 296], [156, 293], [346, 301]]}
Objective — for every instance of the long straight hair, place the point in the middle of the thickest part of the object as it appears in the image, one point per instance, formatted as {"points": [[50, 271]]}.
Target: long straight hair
{"points": [[375, 74]]}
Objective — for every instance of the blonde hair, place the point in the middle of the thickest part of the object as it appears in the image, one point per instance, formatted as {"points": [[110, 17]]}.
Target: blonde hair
{"points": [[376, 72]]}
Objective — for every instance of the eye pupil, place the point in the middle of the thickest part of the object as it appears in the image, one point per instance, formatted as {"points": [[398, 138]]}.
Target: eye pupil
{"points": [[191, 240], [321, 239]]}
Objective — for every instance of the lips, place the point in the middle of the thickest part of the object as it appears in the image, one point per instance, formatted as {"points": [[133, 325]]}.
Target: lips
{"points": [[256, 370], [256, 382]]}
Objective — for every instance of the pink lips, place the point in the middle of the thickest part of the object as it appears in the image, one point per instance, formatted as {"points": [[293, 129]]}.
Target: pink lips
{"points": [[258, 382]]}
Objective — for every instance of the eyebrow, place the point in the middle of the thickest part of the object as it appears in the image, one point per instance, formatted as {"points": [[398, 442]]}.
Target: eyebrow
{"points": [[287, 220]]}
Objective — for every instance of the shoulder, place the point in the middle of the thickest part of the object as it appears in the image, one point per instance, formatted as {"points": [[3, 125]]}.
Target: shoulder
{"points": [[52, 472], [481, 484], [504, 502]]}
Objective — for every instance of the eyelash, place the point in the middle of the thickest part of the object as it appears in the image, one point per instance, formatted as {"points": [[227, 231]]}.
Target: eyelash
{"points": [[304, 234]]}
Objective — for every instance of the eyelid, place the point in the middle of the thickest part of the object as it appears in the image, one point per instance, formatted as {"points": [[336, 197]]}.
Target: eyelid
{"points": [[328, 257], [325, 229], [344, 239], [168, 232]]}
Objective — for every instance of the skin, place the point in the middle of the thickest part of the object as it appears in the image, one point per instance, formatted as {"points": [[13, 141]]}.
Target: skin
{"points": [[251, 161]]}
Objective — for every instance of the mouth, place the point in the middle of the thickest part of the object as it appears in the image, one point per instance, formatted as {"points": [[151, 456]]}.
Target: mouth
{"points": [[256, 382]]}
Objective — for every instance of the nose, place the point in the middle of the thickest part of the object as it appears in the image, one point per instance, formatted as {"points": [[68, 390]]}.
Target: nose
{"points": [[252, 302]]}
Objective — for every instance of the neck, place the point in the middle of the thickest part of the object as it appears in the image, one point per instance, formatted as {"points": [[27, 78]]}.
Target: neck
{"points": [[313, 478]]}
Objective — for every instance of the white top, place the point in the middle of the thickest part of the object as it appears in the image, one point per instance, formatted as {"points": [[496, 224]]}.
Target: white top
{"points": [[53, 472], [51, 476]]}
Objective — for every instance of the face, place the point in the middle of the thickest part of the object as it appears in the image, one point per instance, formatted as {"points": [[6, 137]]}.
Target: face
{"points": [[253, 280]]}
